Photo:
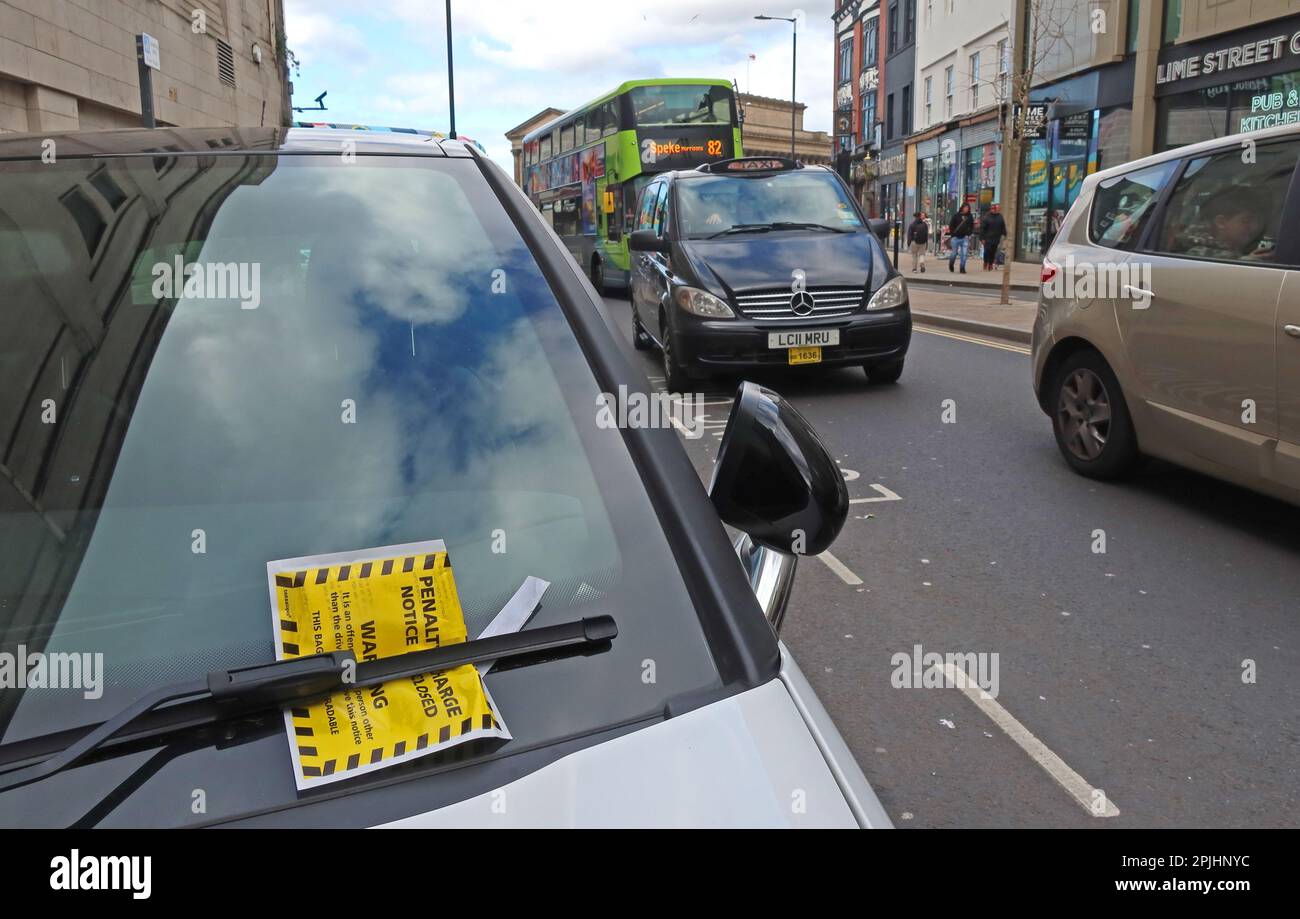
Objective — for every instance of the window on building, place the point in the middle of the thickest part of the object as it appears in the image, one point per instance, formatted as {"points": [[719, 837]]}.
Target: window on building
{"points": [[869, 117], [889, 116], [947, 92], [1132, 27], [846, 59], [893, 28], [975, 81], [929, 99], [907, 110], [1004, 67], [1173, 21], [909, 30], [870, 43]]}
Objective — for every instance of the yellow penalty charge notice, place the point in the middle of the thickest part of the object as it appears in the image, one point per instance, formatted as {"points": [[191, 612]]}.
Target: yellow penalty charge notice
{"points": [[376, 603]]}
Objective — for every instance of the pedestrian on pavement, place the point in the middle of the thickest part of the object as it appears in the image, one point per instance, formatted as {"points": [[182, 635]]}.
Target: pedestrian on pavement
{"points": [[993, 228], [918, 234], [959, 230], [1050, 229]]}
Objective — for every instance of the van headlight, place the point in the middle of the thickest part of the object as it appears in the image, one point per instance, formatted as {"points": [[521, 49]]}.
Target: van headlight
{"points": [[892, 293], [703, 303]]}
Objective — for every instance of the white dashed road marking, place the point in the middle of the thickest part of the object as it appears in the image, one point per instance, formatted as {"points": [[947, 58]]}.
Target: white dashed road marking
{"points": [[845, 575], [1085, 795]]}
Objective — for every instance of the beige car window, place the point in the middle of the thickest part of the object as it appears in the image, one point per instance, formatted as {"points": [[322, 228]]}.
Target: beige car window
{"points": [[1228, 206], [1122, 205]]}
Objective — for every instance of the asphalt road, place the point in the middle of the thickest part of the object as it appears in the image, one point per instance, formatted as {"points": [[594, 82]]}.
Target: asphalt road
{"points": [[1120, 673]]}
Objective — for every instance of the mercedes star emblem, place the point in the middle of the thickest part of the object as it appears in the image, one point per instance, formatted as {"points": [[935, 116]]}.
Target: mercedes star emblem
{"points": [[802, 303]]}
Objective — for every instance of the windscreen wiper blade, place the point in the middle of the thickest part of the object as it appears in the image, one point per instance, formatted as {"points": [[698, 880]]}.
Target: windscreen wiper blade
{"points": [[301, 679], [794, 225], [742, 228]]}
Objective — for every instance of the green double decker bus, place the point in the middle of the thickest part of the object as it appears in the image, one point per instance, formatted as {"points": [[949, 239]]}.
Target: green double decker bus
{"points": [[584, 169]]}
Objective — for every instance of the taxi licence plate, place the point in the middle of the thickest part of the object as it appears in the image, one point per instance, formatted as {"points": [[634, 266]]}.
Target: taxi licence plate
{"points": [[805, 355]]}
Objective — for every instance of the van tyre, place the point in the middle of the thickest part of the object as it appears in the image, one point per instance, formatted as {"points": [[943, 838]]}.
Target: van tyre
{"points": [[1090, 418], [676, 379], [640, 338], [884, 373], [598, 274]]}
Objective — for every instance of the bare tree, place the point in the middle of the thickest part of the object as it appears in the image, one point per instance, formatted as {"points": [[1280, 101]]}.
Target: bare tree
{"points": [[1046, 27]]}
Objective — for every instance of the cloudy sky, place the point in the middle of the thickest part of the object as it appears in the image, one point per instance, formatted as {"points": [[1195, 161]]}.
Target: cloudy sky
{"points": [[384, 62]]}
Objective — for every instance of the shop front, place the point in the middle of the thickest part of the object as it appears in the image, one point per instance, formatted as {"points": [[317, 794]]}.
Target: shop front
{"points": [[1088, 128], [892, 172], [1229, 84]]}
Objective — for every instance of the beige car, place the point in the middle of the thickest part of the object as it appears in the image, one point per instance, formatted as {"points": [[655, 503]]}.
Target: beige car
{"points": [[1169, 319]]}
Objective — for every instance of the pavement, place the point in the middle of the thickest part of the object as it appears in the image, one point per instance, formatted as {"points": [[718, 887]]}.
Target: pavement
{"points": [[966, 309], [1125, 617]]}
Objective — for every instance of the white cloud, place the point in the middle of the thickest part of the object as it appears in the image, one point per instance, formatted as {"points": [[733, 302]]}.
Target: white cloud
{"points": [[514, 58]]}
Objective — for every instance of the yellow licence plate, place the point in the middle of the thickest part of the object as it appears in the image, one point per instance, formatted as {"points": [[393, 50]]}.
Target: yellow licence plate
{"points": [[806, 355]]}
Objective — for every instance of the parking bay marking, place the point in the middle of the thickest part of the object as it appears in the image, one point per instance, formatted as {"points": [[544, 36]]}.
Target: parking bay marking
{"points": [[885, 495], [845, 575], [1076, 785]]}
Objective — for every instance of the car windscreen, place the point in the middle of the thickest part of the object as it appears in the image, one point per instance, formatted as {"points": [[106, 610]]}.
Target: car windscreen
{"points": [[355, 354], [681, 104], [707, 205]]}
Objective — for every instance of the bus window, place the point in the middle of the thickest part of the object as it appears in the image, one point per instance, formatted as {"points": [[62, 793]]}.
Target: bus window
{"points": [[566, 217], [591, 132], [546, 147], [609, 118], [681, 104], [566, 138]]}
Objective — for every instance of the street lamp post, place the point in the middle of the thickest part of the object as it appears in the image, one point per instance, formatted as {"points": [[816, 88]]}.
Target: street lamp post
{"points": [[451, 77], [794, 59]]}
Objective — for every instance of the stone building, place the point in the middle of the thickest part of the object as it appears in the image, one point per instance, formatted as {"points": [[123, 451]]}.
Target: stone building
{"points": [[765, 130], [68, 66]]}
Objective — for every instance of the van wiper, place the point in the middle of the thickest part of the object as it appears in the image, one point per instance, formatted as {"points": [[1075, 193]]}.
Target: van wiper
{"points": [[792, 225], [743, 228], [301, 679]]}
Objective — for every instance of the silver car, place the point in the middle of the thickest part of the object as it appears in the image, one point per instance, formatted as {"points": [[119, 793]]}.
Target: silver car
{"points": [[1169, 319]]}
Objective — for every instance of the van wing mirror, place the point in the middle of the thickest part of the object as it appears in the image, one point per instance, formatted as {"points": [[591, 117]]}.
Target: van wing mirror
{"points": [[646, 241], [774, 479]]}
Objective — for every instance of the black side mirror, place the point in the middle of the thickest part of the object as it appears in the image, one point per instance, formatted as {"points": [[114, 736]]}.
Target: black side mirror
{"points": [[774, 479], [879, 226], [646, 241]]}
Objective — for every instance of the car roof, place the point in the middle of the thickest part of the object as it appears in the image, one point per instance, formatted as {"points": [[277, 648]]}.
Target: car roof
{"points": [[1204, 146], [222, 140]]}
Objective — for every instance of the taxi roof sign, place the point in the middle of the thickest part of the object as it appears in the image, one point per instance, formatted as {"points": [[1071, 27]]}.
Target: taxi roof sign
{"points": [[752, 164]]}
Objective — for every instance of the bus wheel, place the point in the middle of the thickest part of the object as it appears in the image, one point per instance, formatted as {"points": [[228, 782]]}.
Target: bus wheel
{"points": [[598, 274]]}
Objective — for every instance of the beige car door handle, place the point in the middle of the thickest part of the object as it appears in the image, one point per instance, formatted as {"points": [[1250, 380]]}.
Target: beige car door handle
{"points": [[1292, 330], [1142, 293]]}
